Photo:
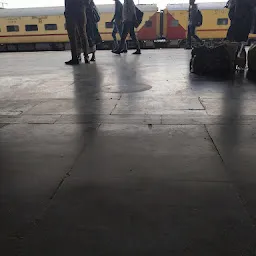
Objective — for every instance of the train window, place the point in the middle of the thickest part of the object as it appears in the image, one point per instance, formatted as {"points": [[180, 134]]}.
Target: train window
{"points": [[174, 23], [222, 21], [31, 27], [148, 24], [14, 28], [108, 25], [50, 27]]}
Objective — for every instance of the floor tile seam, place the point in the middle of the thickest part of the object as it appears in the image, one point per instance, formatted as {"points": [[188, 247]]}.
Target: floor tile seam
{"points": [[33, 224], [68, 173], [26, 111], [58, 119], [202, 105], [111, 112], [4, 125], [235, 185], [117, 101]]}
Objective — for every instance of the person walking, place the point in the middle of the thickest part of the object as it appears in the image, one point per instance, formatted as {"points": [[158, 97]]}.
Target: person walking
{"points": [[193, 23], [117, 20], [129, 21], [75, 14]]}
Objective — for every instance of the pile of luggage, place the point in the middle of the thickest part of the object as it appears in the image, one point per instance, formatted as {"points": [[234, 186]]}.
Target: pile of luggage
{"points": [[222, 59], [228, 56], [214, 60]]}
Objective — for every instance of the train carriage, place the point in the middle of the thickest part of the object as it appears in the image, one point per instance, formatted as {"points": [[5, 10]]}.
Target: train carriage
{"points": [[215, 21], [149, 28], [44, 28], [33, 27]]}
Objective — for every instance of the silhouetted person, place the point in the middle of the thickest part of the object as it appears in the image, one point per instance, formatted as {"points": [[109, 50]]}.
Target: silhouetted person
{"points": [[241, 17], [192, 24], [129, 21], [75, 14], [231, 6], [118, 24], [93, 17], [93, 35]]}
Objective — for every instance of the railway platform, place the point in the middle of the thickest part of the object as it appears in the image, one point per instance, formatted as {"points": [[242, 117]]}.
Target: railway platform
{"points": [[131, 155]]}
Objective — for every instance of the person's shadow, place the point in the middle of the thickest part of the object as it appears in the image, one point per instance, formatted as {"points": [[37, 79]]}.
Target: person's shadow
{"points": [[87, 91]]}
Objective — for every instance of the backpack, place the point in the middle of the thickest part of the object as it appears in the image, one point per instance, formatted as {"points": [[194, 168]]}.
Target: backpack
{"points": [[139, 16], [210, 60], [199, 19], [96, 15]]}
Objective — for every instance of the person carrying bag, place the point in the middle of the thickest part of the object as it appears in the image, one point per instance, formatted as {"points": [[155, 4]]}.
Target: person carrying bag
{"points": [[130, 21]]}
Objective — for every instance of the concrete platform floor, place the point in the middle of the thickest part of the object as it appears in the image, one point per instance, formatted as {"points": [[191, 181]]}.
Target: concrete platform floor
{"points": [[131, 155]]}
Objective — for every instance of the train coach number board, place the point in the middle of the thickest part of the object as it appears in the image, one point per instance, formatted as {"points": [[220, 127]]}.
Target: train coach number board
{"points": [[40, 18]]}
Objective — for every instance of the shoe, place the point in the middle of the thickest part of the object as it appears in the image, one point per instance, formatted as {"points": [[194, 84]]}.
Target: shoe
{"points": [[137, 52], [93, 59], [72, 62], [86, 60], [116, 51], [124, 51], [188, 48]]}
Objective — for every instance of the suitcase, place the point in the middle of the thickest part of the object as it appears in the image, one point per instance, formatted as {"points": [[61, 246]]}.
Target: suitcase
{"points": [[252, 58], [215, 60]]}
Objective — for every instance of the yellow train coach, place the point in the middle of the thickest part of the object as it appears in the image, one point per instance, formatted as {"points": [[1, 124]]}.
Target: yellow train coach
{"points": [[215, 21], [44, 28]]}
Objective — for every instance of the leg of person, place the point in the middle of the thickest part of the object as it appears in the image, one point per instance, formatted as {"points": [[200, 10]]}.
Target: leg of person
{"points": [[193, 33], [123, 38], [71, 29], [230, 33], [79, 47], [93, 56], [93, 52], [134, 38], [120, 30], [97, 36], [189, 42], [81, 25], [114, 32], [89, 33]]}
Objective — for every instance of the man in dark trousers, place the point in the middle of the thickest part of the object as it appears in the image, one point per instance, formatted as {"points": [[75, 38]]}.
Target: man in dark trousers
{"points": [[192, 23], [118, 23], [129, 21], [76, 25]]}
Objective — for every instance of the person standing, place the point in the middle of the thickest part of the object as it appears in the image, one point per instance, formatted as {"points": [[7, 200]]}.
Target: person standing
{"points": [[94, 38], [75, 14], [117, 20], [231, 5], [129, 21], [241, 14], [193, 20]]}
